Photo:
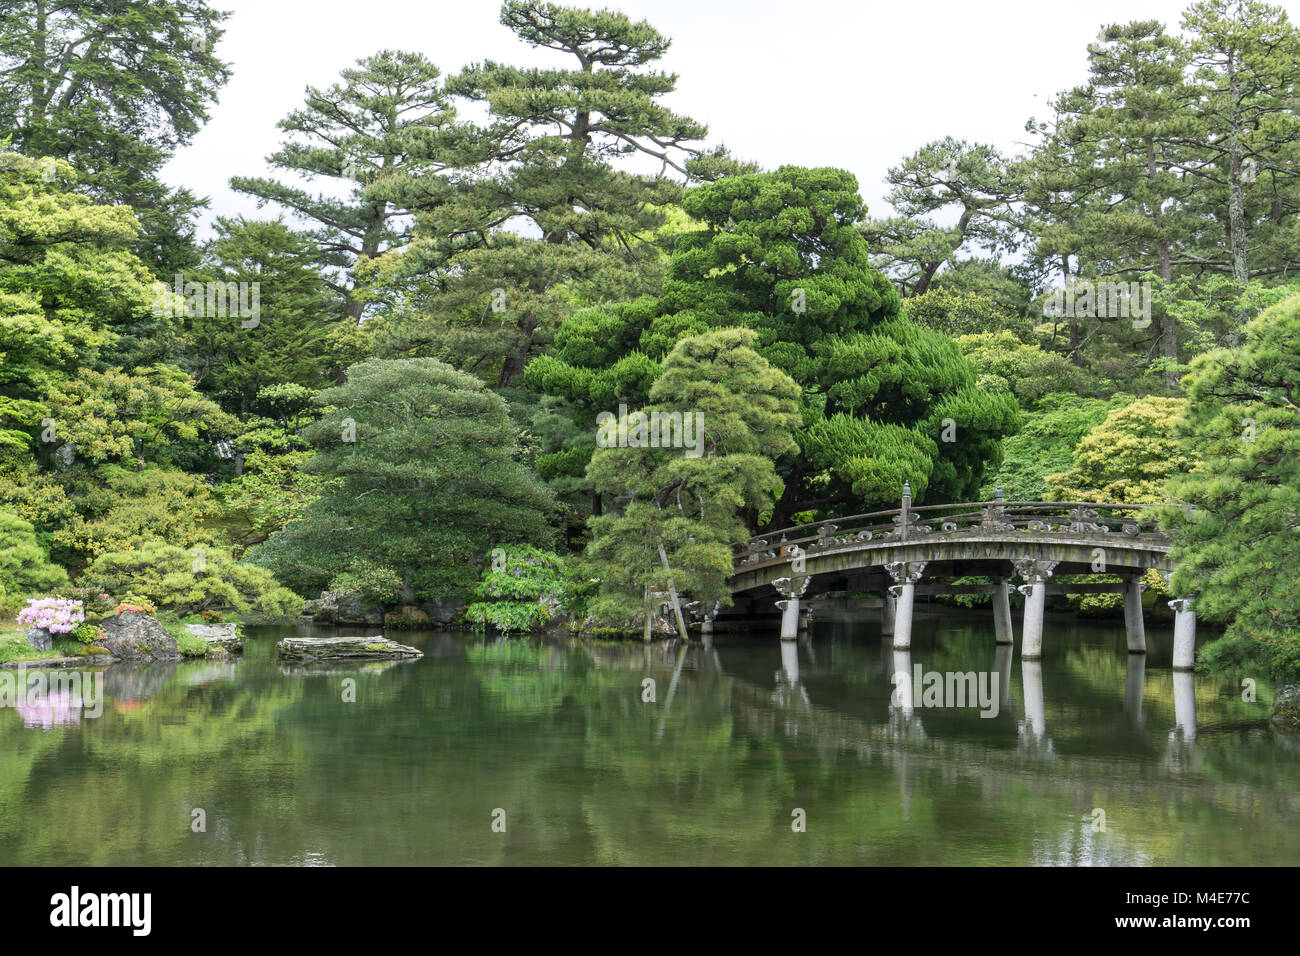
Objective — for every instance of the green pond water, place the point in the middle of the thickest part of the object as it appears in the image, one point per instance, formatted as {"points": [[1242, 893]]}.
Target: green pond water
{"points": [[1094, 758]]}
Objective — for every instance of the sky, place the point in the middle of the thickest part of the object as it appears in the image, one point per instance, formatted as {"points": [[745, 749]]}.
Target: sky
{"points": [[856, 84]]}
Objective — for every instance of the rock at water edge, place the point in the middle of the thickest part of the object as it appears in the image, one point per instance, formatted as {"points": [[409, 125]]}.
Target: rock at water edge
{"points": [[343, 648], [133, 636], [218, 635]]}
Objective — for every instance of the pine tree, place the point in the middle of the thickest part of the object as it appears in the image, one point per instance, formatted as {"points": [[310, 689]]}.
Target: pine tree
{"points": [[115, 89], [424, 478], [1107, 186], [560, 157], [387, 124], [780, 253], [1246, 136], [296, 337], [1235, 537], [974, 181], [693, 499]]}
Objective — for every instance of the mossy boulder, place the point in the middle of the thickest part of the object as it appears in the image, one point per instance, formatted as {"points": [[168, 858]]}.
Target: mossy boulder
{"points": [[40, 639], [1286, 705], [135, 636], [344, 608]]}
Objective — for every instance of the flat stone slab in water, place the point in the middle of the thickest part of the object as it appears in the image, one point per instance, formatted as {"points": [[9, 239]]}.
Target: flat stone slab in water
{"points": [[343, 649]]}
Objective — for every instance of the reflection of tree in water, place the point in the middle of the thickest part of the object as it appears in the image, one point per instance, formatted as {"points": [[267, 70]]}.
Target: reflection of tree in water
{"points": [[119, 790], [560, 738]]}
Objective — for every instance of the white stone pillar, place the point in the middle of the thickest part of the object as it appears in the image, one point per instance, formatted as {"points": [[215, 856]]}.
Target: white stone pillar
{"points": [[1134, 627], [903, 616], [1184, 634], [791, 589], [906, 573], [789, 618], [1002, 612], [1035, 573], [904, 697], [1031, 645]]}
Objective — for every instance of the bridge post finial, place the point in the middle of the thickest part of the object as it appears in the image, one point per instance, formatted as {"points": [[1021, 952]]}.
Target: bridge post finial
{"points": [[907, 490], [998, 494]]}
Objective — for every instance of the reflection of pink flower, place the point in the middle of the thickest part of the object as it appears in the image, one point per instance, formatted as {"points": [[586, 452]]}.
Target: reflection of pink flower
{"points": [[60, 709]]}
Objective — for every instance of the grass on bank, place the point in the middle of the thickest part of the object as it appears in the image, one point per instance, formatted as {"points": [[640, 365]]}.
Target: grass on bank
{"points": [[14, 646]]}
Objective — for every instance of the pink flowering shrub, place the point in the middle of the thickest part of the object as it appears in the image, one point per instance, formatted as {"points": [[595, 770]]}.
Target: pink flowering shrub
{"points": [[56, 615]]}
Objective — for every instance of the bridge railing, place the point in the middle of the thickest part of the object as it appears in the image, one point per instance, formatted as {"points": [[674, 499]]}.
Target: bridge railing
{"points": [[909, 523]]}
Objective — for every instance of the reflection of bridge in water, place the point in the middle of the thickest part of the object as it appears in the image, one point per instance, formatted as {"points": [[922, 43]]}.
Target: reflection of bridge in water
{"points": [[789, 696], [1035, 774], [900, 553], [915, 742]]}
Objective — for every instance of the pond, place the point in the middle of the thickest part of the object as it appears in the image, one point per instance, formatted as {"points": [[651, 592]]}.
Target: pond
{"points": [[751, 752]]}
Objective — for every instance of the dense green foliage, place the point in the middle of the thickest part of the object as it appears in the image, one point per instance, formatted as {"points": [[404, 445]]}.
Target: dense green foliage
{"points": [[424, 477], [114, 89], [187, 581], [521, 589], [471, 272], [1128, 457], [780, 253], [691, 499], [25, 566], [1236, 542], [1045, 445]]}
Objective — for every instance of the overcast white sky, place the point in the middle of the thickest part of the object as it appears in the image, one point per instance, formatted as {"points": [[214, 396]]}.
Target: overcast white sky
{"points": [[856, 85]]}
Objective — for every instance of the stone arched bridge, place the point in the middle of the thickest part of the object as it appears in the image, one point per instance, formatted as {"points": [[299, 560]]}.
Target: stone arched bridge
{"points": [[906, 550]]}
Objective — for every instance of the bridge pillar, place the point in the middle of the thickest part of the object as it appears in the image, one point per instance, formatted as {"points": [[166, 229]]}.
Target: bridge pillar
{"points": [[906, 573], [791, 589], [904, 696], [903, 616], [1002, 612], [1035, 573], [789, 618], [888, 614], [1184, 634], [1134, 626]]}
